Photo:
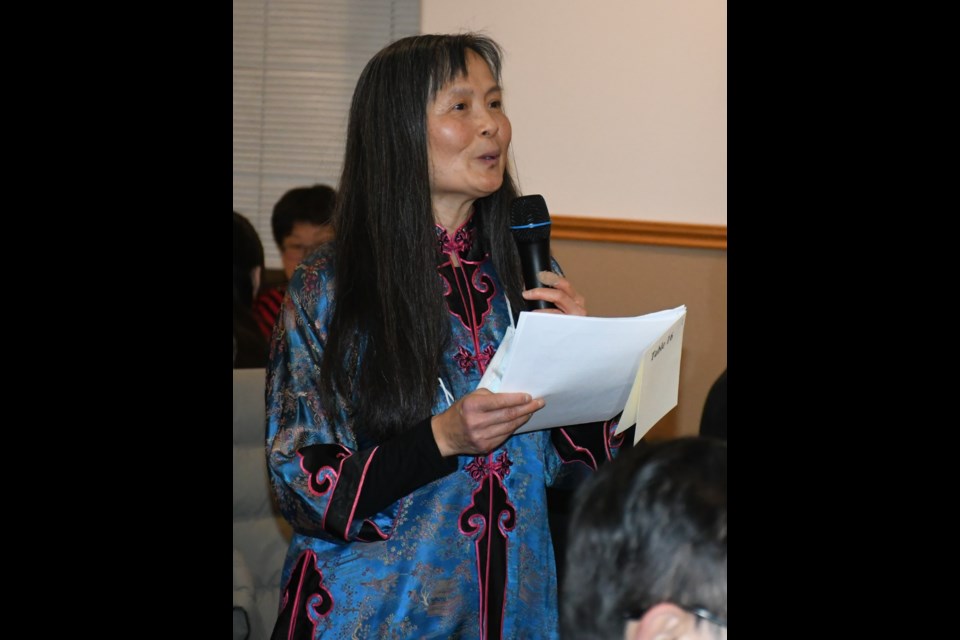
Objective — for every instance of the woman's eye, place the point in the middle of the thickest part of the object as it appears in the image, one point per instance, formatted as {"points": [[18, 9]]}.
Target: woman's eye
{"points": [[496, 104], [460, 106]]}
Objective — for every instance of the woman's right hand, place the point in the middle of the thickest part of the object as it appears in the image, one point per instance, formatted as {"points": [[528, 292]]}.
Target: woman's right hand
{"points": [[481, 421]]}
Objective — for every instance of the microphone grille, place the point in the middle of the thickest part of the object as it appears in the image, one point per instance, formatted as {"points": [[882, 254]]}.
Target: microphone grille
{"points": [[529, 219]]}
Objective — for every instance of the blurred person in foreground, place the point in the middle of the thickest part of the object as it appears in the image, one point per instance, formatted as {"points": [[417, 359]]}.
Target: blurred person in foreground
{"points": [[647, 546]]}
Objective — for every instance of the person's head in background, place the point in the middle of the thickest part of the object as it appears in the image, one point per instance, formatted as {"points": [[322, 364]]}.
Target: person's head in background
{"points": [[247, 261], [301, 220], [713, 420], [249, 347], [647, 546]]}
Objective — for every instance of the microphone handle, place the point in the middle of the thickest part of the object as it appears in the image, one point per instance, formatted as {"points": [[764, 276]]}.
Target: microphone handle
{"points": [[534, 258]]}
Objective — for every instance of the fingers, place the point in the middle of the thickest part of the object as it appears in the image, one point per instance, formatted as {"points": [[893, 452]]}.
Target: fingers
{"points": [[481, 421], [486, 408], [560, 292]]}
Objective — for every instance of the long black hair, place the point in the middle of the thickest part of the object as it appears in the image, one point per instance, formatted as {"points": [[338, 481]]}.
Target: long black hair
{"points": [[388, 327]]}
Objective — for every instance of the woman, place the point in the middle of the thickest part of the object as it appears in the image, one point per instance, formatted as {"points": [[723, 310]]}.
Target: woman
{"points": [[415, 514]]}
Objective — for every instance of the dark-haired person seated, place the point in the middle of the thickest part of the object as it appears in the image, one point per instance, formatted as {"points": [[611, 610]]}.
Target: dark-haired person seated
{"points": [[250, 348], [301, 220], [713, 422], [647, 546]]}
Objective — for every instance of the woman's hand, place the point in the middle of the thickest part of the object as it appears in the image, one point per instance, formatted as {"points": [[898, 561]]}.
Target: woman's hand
{"points": [[481, 421], [560, 292]]}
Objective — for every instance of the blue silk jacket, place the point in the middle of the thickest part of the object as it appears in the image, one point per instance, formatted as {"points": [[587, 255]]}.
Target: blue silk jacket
{"points": [[466, 555]]}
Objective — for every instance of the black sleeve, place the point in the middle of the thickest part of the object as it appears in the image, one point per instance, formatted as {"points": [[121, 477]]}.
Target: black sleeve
{"points": [[402, 465], [369, 480]]}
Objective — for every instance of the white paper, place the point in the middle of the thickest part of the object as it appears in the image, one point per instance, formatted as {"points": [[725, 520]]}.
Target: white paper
{"points": [[495, 370], [655, 387], [585, 368]]}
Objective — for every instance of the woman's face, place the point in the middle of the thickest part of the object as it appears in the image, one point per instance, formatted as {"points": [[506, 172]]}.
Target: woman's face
{"points": [[303, 237], [468, 135]]}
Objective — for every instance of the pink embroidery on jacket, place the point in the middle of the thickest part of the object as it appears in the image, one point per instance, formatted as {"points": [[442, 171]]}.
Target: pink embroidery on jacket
{"points": [[461, 242], [480, 467], [490, 517], [465, 360]]}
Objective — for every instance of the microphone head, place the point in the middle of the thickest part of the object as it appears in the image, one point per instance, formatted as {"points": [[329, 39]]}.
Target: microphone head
{"points": [[529, 219]]}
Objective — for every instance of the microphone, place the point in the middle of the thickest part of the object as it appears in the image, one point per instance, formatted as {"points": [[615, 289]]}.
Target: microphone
{"points": [[530, 224]]}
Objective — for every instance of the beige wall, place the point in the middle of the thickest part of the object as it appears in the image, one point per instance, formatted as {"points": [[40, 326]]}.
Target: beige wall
{"points": [[630, 280], [619, 108]]}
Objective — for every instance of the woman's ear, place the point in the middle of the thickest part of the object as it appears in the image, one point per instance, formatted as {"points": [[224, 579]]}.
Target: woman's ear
{"points": [[664, 621]]}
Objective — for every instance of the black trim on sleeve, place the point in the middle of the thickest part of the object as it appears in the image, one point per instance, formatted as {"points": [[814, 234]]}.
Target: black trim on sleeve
{"points": [[400, 466], [591, 436]]}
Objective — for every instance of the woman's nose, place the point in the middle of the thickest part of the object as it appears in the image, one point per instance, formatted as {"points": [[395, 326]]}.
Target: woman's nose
{"points": [[488, 125]]}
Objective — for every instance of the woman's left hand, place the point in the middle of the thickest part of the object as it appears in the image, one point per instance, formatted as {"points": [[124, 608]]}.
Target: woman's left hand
{"points": [[560, 292]]}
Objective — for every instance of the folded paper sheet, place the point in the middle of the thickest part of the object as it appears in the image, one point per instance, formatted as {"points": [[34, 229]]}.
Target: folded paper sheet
{"points": [[591, 369]]}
